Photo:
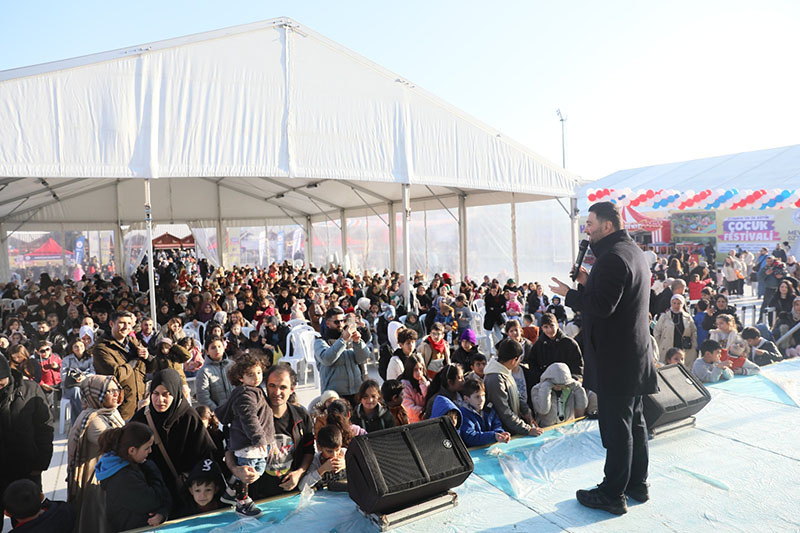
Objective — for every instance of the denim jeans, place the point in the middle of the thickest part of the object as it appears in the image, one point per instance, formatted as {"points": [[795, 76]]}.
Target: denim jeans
{"points": [[73, 394], [259, 464]]}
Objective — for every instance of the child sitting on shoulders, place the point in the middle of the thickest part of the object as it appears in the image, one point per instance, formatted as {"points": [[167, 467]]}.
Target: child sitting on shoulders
{"points": [[558, 397], [252, 427], [371, 414], [205, 485], [709, 368], [763, 352], [392, 392], [327, 469], [480, 423]]}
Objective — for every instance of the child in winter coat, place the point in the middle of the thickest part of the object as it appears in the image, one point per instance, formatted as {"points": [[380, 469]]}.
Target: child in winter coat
{"points": [[558, 396], [136, 495], [212, 385], [480, 423], [392, 392], [415, 387], [371, 414], [252, 427], [204, 485]]}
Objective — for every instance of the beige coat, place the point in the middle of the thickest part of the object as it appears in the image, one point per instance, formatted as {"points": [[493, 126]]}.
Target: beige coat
{"points": [[664, 334], [83, 489]]}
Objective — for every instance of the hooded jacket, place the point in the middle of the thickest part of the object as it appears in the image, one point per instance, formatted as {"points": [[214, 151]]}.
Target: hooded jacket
{"points": [[212, 385], [552, 407], [26, 427], [479, 429], [502, 392], [132, 491], [443, 405]]}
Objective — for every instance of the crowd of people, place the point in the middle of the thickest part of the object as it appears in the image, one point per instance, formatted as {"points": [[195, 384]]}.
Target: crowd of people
{"points": [[192, 410]]}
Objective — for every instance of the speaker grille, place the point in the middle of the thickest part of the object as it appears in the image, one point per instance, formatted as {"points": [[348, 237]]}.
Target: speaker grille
{"points": [[398, 467]]}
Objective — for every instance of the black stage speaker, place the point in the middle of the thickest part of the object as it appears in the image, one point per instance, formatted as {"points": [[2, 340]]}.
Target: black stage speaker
{"points": [[680, 396], [394, 468]]}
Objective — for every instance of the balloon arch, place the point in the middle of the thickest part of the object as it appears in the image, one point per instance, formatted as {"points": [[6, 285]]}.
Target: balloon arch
{"points": [[705, 199]]}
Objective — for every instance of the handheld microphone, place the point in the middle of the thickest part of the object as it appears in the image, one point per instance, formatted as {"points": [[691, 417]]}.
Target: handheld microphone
{"points": [[582, 247]]}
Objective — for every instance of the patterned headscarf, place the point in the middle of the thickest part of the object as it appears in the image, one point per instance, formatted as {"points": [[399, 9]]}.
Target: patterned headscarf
{"points": [[93, 392]]}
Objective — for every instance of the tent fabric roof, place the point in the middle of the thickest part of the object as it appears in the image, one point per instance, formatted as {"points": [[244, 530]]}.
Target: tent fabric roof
{"points": [[767, 169], [273, 119]]}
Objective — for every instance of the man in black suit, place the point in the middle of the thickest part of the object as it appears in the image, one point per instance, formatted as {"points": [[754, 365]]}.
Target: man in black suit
{"points": [[613, 300]]}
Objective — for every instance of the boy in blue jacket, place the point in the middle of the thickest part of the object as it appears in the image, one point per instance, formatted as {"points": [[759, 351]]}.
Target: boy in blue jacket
{"points": [[480, 424]]}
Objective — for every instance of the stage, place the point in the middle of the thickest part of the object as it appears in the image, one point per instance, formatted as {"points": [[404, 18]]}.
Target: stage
{"points": [[737, 470]]}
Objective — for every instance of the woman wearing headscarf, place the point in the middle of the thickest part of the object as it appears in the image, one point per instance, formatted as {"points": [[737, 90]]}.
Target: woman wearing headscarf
{"points": [[677, 329], [179, 429], [101, 396]]}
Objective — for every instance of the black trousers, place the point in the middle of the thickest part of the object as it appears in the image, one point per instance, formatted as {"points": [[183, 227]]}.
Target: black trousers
{"points": [[624, 434]]}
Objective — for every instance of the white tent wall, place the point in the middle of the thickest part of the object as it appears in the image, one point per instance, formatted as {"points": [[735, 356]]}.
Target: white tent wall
{"points": [[266, 124]]}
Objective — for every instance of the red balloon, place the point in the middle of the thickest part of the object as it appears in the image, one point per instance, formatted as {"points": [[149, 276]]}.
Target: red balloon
{"points": [[592, 197], [650, 194], [606, 192]]}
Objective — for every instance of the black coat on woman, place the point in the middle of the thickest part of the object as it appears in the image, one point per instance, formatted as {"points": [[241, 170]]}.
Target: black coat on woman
{"points": [[618, 354], [495, 307], [181, 431]]}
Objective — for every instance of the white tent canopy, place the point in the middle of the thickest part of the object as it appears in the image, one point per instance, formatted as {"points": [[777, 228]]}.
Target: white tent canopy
{"points": [[270, 121]]}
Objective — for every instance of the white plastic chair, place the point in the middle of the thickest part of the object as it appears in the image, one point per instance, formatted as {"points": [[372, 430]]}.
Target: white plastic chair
{"points": [[246, 331], [64, 415], [296, 322], [190, 330], [477, 305], [7, 305], [306, 339], [295, 347], [391, 332], [19, 302]]}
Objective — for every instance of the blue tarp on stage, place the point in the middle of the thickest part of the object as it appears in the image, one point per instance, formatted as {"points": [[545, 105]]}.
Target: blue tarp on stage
{"points": [[736, 471]]}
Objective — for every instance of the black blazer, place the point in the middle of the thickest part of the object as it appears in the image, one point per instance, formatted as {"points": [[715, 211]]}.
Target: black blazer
{"points": [[618, 354]]}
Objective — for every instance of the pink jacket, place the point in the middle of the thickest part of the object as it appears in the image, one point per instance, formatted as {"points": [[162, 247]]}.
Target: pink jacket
{"points": [[414, 401]]}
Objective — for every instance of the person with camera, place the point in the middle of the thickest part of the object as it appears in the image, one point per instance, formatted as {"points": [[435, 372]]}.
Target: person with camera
{"points": [[677, 329], [340, 354]]}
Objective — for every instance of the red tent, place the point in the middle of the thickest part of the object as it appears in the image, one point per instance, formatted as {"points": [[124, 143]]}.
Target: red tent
{"points": [[49, 249], [635, 221]]}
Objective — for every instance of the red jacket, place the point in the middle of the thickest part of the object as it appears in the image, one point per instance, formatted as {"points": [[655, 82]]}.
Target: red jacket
{"points": [[51, 370]]}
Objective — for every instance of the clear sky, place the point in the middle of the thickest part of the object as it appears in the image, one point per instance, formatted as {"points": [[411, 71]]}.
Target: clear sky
{"points": [[640, 82]]}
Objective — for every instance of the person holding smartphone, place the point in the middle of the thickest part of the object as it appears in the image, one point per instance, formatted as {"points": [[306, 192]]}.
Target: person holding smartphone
{"points": [[340, 354]]}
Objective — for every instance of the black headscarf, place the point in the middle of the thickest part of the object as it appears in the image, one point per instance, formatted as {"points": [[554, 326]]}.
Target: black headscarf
{"points": [[5, 372], [170, 380]]}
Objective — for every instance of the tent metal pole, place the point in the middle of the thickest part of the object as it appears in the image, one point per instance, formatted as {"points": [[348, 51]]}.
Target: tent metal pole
{"points": [[118, 259], [462, 235], [392, 237], [514, 254], [343, 231], [220, 235], [151, 277], [309, 241], [406, 245]]}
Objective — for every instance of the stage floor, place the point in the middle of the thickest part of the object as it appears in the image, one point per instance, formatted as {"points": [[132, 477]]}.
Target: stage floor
{"points": [[737, 470]]}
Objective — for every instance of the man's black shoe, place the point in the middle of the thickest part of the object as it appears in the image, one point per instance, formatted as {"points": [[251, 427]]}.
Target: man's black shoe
{"points": [[638, 492], [598, 500]]}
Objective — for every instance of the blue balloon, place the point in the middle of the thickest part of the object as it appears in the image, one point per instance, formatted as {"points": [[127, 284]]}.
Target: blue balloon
{"points": [[771, 203], [785, 193]]}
